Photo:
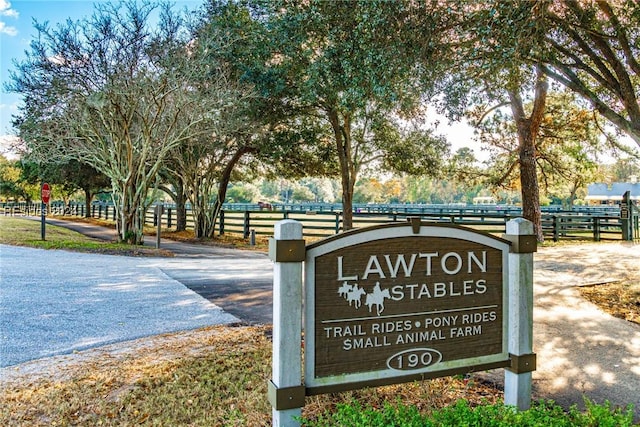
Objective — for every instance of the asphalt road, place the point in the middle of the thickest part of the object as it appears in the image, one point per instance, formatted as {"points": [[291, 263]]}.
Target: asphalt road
{"points": [[58, 302], [238, 281], [241, 286]]}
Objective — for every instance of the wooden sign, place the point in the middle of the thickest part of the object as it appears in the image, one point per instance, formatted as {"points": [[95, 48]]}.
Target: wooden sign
{"points": [[393, 303]]}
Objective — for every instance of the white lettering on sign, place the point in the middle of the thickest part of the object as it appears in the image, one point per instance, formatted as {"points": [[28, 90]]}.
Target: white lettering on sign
{"points": [[466, 331], [438, 290], [450, 263], [369, 342], [341, 276], [425, 328]]}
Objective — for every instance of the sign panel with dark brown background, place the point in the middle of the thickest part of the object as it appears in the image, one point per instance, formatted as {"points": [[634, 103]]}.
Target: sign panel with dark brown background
{"points": [[388, 301]]}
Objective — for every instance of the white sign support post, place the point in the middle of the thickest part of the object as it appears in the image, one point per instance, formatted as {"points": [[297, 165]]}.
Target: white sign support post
{"points": [[517, 384], [286, 392]]}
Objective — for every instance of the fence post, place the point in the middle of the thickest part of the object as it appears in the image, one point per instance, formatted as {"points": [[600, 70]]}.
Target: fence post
{"points": [[556, 228], [626, 216], [247, 224], [221, 220], [158, 211], [517, 383], [169, 222], [596, 228], [285, 390]]}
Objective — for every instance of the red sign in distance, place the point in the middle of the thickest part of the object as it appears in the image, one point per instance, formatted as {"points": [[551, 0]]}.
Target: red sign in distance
{"points": [[45, 193]]}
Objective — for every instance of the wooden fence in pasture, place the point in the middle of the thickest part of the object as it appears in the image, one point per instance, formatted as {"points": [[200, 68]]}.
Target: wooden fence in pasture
{"points": [[323, 220]]}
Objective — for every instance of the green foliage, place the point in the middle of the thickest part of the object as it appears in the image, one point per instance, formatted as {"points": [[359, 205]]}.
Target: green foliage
{"points": [[11, 184], [419, 153], [543, 413], [243, 193], [593, 48]]}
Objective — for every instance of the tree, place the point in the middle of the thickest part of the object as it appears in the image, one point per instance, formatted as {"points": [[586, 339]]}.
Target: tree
{"points": [[528, 125], [343, 64], [11, 183], [623, 170], [243, 193], [566, 150], [228, 44], [106, 92], [593, 48], [590, 47], [476, 38]]}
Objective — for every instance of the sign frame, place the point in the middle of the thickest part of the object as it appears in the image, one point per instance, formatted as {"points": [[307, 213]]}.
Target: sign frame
{"points": [[384, 233]]}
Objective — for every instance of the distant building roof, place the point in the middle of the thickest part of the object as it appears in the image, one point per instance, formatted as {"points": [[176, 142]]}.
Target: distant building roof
{"points": [[615, 191]]}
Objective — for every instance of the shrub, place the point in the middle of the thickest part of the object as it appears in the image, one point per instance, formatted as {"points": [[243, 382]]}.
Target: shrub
{"points": [[543, 413]]}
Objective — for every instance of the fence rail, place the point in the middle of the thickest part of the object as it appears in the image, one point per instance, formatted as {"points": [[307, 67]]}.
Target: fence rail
{"points": [[595, 223]]}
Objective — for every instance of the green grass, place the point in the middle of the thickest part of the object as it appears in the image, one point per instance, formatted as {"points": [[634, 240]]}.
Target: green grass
{"points": [[25, 232]]}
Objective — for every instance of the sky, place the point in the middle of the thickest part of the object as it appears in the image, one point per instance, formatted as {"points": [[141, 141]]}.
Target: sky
{"points": [[17, 30]]}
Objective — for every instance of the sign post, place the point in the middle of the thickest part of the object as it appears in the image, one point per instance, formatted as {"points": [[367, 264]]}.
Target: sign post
{"points": [[517, 381], [626, 217], [45, 194], [285, 391]]}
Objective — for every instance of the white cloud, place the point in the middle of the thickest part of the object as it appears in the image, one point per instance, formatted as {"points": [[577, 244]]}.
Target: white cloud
{"points": [[7, 29], [7, 11]]}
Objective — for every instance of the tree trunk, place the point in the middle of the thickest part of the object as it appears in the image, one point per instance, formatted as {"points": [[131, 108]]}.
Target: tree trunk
{"points": [[530, 190], [348, 171], [181, 208], [200, 208], [88, 196], [179, 197], [528, 127], [129, 223], [224, 183]]}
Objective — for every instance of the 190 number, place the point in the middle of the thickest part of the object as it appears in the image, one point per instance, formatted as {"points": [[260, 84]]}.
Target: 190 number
{"points": [[415, 358]]}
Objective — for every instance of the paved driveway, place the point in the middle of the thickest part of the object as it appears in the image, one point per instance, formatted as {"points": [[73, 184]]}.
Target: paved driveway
{"points": [[57, 302]]}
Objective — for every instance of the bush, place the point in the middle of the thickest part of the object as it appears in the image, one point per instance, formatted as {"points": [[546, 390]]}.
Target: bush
{"points": [[543, 413]]}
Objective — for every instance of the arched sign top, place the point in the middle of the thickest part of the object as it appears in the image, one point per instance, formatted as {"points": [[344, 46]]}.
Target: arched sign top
{"points": [[408, 229]]}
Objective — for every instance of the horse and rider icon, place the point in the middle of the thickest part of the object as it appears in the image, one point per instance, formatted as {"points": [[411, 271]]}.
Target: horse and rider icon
{"points": [[353, 294]]}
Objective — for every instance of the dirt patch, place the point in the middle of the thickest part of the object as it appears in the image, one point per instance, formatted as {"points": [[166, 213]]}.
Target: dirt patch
{"points": [[619, 299]]}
